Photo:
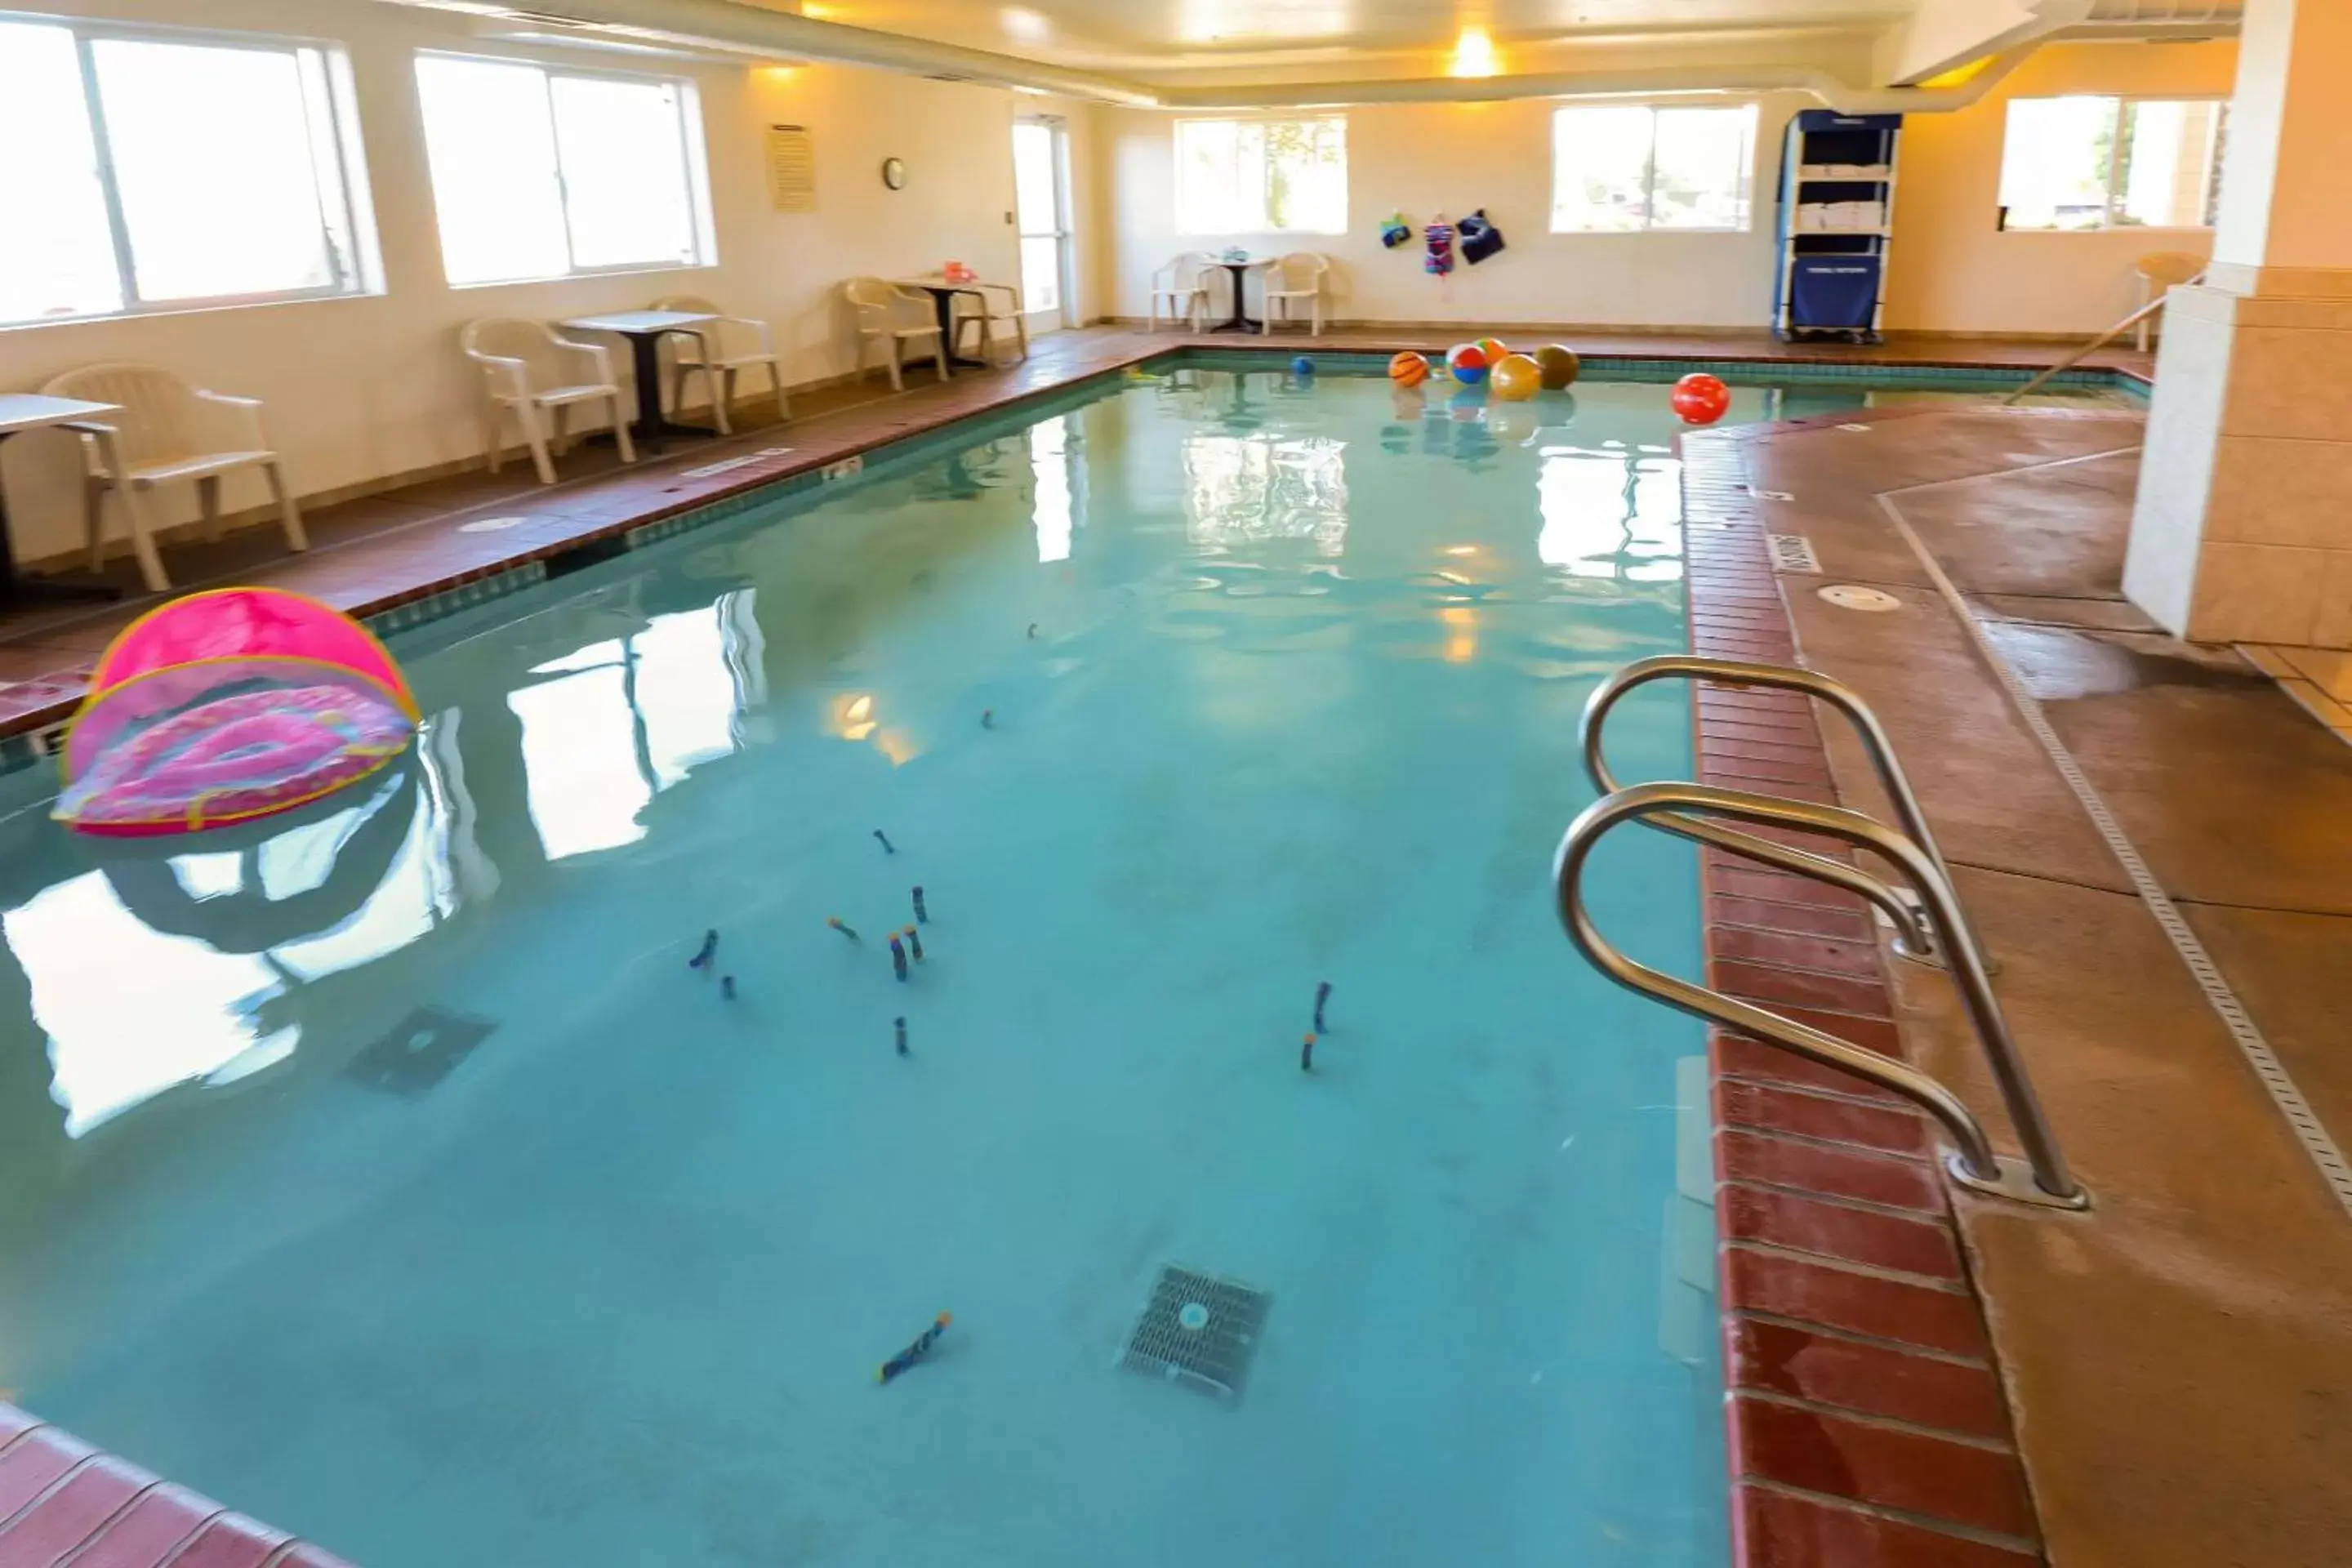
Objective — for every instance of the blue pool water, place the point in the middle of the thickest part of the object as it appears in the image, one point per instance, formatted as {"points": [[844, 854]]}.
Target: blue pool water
{"points": [[392, 1175]]}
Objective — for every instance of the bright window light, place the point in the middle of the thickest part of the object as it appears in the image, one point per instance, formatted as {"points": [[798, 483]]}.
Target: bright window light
{"points": [[1624, 168], [544, 173], [2111, 162], [228, 173], [1262, 176]]}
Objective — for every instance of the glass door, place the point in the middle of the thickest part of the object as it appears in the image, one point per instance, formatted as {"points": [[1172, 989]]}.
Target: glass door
{"points": [[1040, 159]]}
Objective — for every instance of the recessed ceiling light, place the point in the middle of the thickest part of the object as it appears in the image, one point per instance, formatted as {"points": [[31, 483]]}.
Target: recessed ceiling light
{"points": [[1474, 52], [1025, 25]]}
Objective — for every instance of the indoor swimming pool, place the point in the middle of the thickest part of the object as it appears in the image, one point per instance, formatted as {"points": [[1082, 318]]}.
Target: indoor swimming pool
{"points": [[394, 1175]]}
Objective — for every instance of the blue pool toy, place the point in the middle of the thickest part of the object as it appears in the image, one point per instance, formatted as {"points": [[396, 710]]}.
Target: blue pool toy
{"points": [[916, 1351], [727, 986], [899, 957], [1306, 1054], [1302, 365], [702, 955], [837, 923], [1322, 994], [922, 915], [914, 943], [901, 1024], [988, 718], [884, 839]]}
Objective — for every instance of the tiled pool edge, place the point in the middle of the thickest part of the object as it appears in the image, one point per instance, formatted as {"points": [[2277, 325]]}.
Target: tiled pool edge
{"points": [[61, 1500], [1865, 1421]]}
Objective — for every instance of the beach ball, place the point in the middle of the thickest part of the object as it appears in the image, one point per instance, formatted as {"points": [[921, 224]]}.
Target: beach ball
{"points": [[1516, 378], [1560, 366], [1468, 363], [1493, 349], [1409, 369], [1700, 398], [1302, 365]]}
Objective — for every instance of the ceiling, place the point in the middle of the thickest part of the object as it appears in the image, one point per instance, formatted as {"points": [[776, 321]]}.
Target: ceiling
{"points": [[1857, 55], [1152, 35]]}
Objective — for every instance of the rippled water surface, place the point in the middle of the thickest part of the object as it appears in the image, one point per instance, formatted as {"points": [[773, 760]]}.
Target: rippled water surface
{"points": [[390, 1173]]}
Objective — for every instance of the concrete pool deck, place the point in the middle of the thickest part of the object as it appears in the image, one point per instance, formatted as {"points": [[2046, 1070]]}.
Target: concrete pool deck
{"points": [[2163, 1380], [2179, 1360]]}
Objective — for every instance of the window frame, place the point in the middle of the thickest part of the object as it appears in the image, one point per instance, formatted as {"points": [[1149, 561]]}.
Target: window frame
{"points": [[1176, 147], [2115, 184], [359, 273], [694, 155], [1751, 108]]}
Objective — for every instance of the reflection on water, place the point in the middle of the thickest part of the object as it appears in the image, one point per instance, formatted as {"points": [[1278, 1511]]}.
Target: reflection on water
{"points": [[622, 720], [1244, 490], [1612, 510], [1281, 683]]}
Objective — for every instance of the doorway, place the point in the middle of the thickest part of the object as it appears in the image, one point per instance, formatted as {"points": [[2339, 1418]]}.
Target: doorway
{"points": [[1041, 179]]}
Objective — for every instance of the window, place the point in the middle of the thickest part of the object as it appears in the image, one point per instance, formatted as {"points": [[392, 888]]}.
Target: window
{"points": [[1620, 169], [1262, 176], [158, 170], [542, 174], [2111, 162]]}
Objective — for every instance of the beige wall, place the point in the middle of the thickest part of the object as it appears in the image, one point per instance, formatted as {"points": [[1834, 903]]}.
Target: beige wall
{"points": [[361, 388], [1955, 272], [1424, 159], [1951, 271]]}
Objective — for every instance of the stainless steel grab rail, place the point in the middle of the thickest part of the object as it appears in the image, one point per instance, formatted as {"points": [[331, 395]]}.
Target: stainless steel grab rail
{"points": [[1917, 934], [2041, 1178]]}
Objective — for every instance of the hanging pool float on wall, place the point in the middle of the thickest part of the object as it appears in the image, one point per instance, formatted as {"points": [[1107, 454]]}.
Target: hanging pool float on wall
{"points": [[226, 705]]}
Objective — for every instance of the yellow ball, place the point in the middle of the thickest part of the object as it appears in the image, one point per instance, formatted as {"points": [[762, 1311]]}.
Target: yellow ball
{"points": [[1560, 366], [1516, 379]]}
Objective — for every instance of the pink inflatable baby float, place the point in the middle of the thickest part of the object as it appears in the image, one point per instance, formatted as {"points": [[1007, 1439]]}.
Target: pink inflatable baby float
{"points": [[225, 706]]}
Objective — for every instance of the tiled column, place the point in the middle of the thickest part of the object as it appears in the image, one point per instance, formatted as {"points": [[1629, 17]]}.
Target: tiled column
{"points": [[2243, 528]]}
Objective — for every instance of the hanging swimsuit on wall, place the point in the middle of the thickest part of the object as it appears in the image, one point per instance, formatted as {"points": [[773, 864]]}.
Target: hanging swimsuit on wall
{"points": [[1438, 260]]}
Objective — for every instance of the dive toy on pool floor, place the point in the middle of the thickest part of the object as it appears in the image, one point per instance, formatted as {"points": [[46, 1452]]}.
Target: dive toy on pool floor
{"points": [[916, 1351], [229, 705], [702, 955], [899, 957], [914, 943]]}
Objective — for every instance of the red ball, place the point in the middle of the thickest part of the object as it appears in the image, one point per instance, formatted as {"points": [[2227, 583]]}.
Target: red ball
{"points": [[1700, 399]]}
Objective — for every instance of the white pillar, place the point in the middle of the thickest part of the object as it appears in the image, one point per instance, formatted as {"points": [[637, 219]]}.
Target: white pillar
{"points": [[2243, 528]]}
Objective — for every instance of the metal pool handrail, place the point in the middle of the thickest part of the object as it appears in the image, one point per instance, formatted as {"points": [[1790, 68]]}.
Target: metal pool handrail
{"points": [[2041, 1178], [1917, 939]]}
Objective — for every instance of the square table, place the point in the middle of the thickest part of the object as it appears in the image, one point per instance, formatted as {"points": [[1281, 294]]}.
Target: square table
{"points": [[21, 411], [644, 329], [943, 309]]}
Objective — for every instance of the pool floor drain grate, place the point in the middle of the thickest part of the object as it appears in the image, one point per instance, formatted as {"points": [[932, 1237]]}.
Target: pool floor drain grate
{"points": [[420, 1051], [1199, 1330]]}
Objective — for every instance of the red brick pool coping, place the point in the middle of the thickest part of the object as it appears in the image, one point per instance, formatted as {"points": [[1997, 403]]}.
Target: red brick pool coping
{"points": [[64, 1504], [1866, 1419]]}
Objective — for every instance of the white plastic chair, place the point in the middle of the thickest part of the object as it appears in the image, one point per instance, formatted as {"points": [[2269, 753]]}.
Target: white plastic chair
{"points": [[719, 349], [992, 306], [2161, 271], [881, 308], [1295, 277], [1182, 286], [167, 431], [524, 367]]}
